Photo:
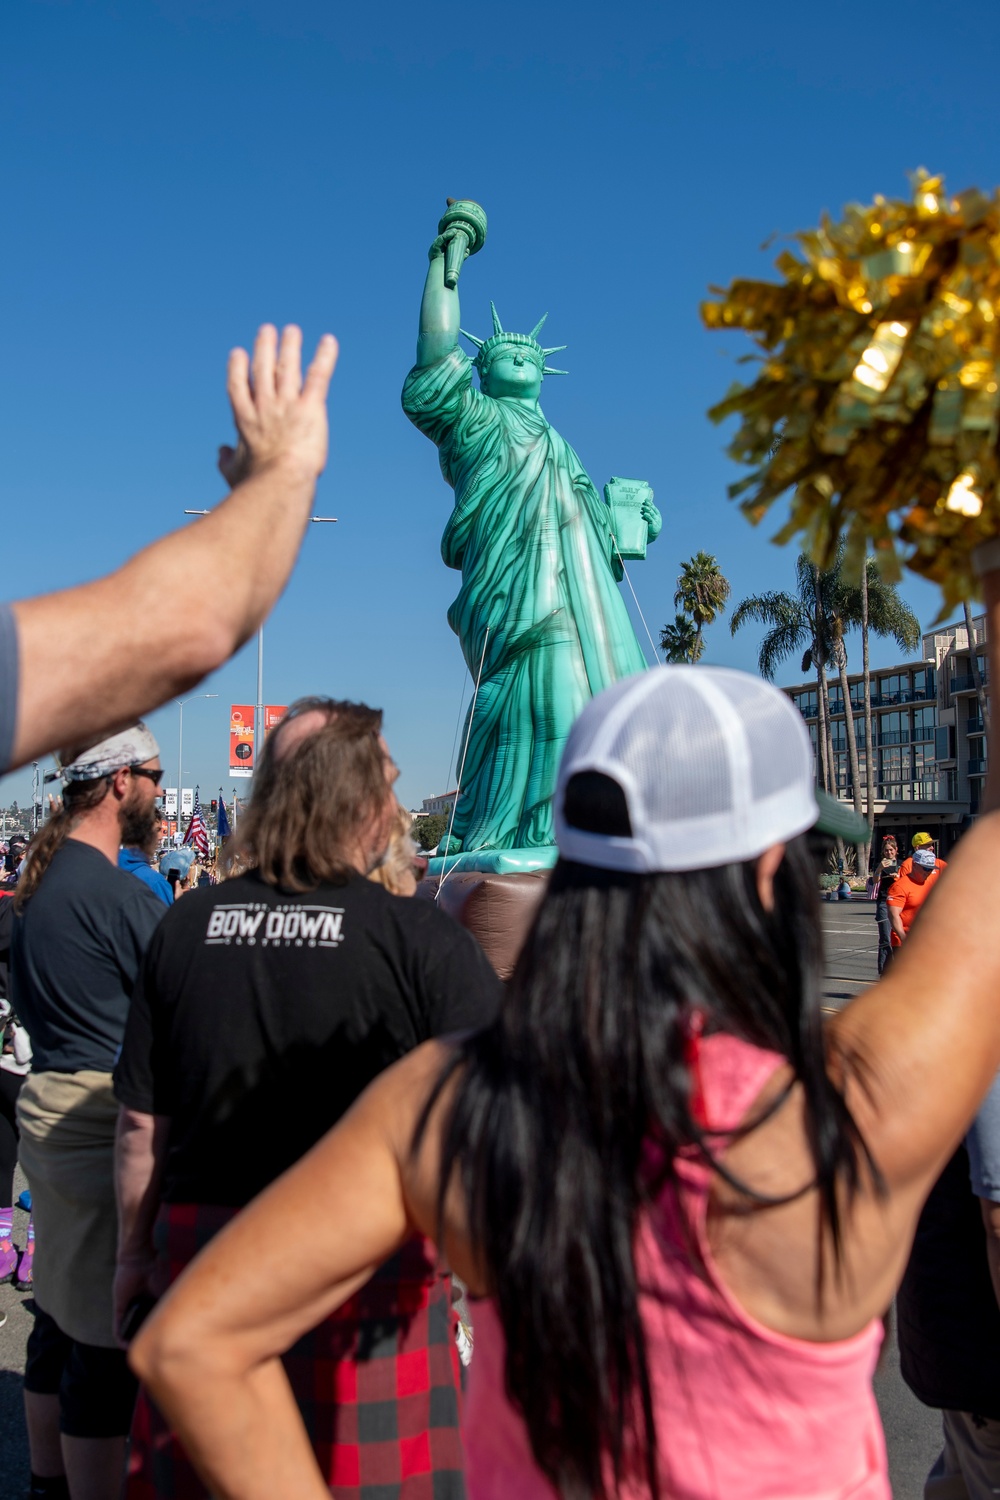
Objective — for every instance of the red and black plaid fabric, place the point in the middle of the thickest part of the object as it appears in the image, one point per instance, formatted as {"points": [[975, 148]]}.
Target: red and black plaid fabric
{"points": [[378, 1383]]}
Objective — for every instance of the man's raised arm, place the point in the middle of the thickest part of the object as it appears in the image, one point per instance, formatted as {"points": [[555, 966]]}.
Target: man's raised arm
{"points": [[92, 658]]}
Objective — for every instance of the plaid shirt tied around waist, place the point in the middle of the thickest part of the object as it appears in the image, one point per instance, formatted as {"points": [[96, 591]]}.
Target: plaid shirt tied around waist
{"points": [[378, 1382]]}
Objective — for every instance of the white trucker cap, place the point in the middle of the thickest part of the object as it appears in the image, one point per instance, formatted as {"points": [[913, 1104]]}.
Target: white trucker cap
{"points": [[715, 766]]}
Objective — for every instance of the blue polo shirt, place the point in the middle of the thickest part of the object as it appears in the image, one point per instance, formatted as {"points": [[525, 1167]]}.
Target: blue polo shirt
{"points": [[136, 863]]}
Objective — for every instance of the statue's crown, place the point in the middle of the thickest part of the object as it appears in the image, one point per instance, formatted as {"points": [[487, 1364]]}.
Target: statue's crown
{"points": [[500, 339]]}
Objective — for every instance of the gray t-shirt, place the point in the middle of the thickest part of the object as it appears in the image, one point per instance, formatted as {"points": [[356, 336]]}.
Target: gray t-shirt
{"points": [[983, 1142], [8, 684], [75, 958]]}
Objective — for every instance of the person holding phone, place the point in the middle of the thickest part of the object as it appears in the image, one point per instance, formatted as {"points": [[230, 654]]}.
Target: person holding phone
{"points": [[885, 873]]}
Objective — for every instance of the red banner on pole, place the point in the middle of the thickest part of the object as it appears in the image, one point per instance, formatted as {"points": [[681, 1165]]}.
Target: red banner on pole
{"points": [[241, 739], [273, 715]]}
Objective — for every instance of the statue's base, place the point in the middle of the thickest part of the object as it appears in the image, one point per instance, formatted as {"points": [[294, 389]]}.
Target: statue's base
{"points": [[497, 907], [492, 862]]}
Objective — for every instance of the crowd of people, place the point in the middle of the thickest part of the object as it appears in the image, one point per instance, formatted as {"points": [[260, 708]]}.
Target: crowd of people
{"points": [[267, 1128]]}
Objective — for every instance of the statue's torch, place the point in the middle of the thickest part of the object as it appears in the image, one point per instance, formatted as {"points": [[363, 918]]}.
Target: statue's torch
{"points": [[467, 225]]}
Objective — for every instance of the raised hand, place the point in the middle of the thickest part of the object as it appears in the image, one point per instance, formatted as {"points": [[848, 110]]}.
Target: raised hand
{"points": [[439, 246], [280, 417]]}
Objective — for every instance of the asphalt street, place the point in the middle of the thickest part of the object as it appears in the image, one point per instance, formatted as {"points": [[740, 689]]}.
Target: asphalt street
{"points": [[912, 1431]]}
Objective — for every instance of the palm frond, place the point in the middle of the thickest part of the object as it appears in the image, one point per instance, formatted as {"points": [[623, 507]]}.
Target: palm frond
{"points": [[702, 588], [781, 642], [773, 608], [680, 641]]}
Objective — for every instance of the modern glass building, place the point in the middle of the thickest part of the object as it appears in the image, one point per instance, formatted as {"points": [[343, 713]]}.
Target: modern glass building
{"points": [[928, 740]]}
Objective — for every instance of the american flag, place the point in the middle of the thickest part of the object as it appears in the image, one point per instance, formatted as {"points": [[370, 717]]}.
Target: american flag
{"points": [[197, 833]]}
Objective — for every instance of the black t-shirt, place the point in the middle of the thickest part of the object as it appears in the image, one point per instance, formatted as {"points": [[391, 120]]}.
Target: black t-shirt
{"points": [[75, 954], [885, 880], [949, 1322], [262, 1014]]}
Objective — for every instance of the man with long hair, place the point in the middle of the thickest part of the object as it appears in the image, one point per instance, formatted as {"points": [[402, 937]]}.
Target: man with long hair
{"points": [[81, 926], [265, 1007]]}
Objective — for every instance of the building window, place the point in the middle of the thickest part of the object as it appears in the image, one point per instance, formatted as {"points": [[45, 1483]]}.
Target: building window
{"points": [[924, 683], [894, 729], [895, 769], [923, 767], [924, 723]]}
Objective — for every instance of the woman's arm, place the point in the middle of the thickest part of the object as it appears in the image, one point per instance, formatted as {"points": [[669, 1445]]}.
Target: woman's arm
{"points": [[921, 1048], [210, 1352]]}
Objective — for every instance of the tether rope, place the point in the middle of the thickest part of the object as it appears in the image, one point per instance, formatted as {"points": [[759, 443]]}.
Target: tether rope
{"points": [[642, 617]]}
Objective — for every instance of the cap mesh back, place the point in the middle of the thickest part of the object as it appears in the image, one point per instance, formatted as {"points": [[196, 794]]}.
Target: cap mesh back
{"points": [[716, 766], [672, 745], [775, 750]]}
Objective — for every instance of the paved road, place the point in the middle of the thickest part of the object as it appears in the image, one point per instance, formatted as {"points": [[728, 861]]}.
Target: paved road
{"points": [[912, 1432]]}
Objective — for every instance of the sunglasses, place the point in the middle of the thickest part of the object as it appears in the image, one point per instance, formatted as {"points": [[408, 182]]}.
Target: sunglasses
{"points": [[154, 776]]}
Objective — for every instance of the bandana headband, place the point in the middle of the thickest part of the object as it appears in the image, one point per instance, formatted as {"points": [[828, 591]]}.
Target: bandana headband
{"points": [[132, 747]]}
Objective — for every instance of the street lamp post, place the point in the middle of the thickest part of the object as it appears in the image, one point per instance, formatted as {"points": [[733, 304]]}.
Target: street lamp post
{"points": [[180, 746], [258, 714]]}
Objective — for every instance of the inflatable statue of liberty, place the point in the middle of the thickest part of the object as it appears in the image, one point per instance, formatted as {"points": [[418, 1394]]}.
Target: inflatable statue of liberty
{"points": [[540, 617]]}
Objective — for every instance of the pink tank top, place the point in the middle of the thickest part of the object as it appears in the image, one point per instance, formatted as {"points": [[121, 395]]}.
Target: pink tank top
{"points": [[742, 1413]]}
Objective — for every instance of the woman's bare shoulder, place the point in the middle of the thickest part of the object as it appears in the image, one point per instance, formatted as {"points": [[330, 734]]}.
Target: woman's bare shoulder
{"points": [[394, 1102]]}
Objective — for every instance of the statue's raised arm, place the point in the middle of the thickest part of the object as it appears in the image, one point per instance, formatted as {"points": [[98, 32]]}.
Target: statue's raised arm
{"points": [[461, 232]]}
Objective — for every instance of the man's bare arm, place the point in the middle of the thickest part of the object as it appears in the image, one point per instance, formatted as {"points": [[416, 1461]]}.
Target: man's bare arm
{"points": [[96, 657], [140, 1151]]}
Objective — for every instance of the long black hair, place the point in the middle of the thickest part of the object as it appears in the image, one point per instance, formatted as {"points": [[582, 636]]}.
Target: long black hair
{"points": [[586, 1062]]}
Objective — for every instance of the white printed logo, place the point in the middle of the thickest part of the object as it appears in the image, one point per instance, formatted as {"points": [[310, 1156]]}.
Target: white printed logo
{"points": [[252, 922]]}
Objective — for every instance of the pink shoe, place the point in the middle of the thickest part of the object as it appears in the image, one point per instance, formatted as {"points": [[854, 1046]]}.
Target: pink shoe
{"points": [[22, 1276], [8, 1260]]}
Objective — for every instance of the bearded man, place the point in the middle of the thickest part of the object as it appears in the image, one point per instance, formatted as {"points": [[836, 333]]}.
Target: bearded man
{"points": [[80, 930], [542, 622]]}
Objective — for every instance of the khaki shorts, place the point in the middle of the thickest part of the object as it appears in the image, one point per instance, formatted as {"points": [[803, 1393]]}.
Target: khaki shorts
{"points": [[67, 1123]]}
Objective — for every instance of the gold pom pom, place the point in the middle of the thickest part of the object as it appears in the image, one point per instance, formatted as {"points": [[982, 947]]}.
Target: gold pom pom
{"points": [[878, 398]]}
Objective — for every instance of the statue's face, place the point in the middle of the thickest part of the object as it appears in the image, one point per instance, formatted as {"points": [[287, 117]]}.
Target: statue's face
{"points": [[513, 372]]}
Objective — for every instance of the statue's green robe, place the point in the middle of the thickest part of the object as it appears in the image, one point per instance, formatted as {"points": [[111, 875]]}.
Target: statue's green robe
{"points": [[539, 608]]}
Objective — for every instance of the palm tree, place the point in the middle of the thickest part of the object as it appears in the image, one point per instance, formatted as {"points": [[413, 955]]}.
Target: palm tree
{"points": [[702, 592], [824, 609], [681, 641], [875, 606], [795, 625]]}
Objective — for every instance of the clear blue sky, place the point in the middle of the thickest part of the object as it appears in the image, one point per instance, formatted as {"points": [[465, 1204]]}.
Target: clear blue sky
{"points": [[174, 173]]}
